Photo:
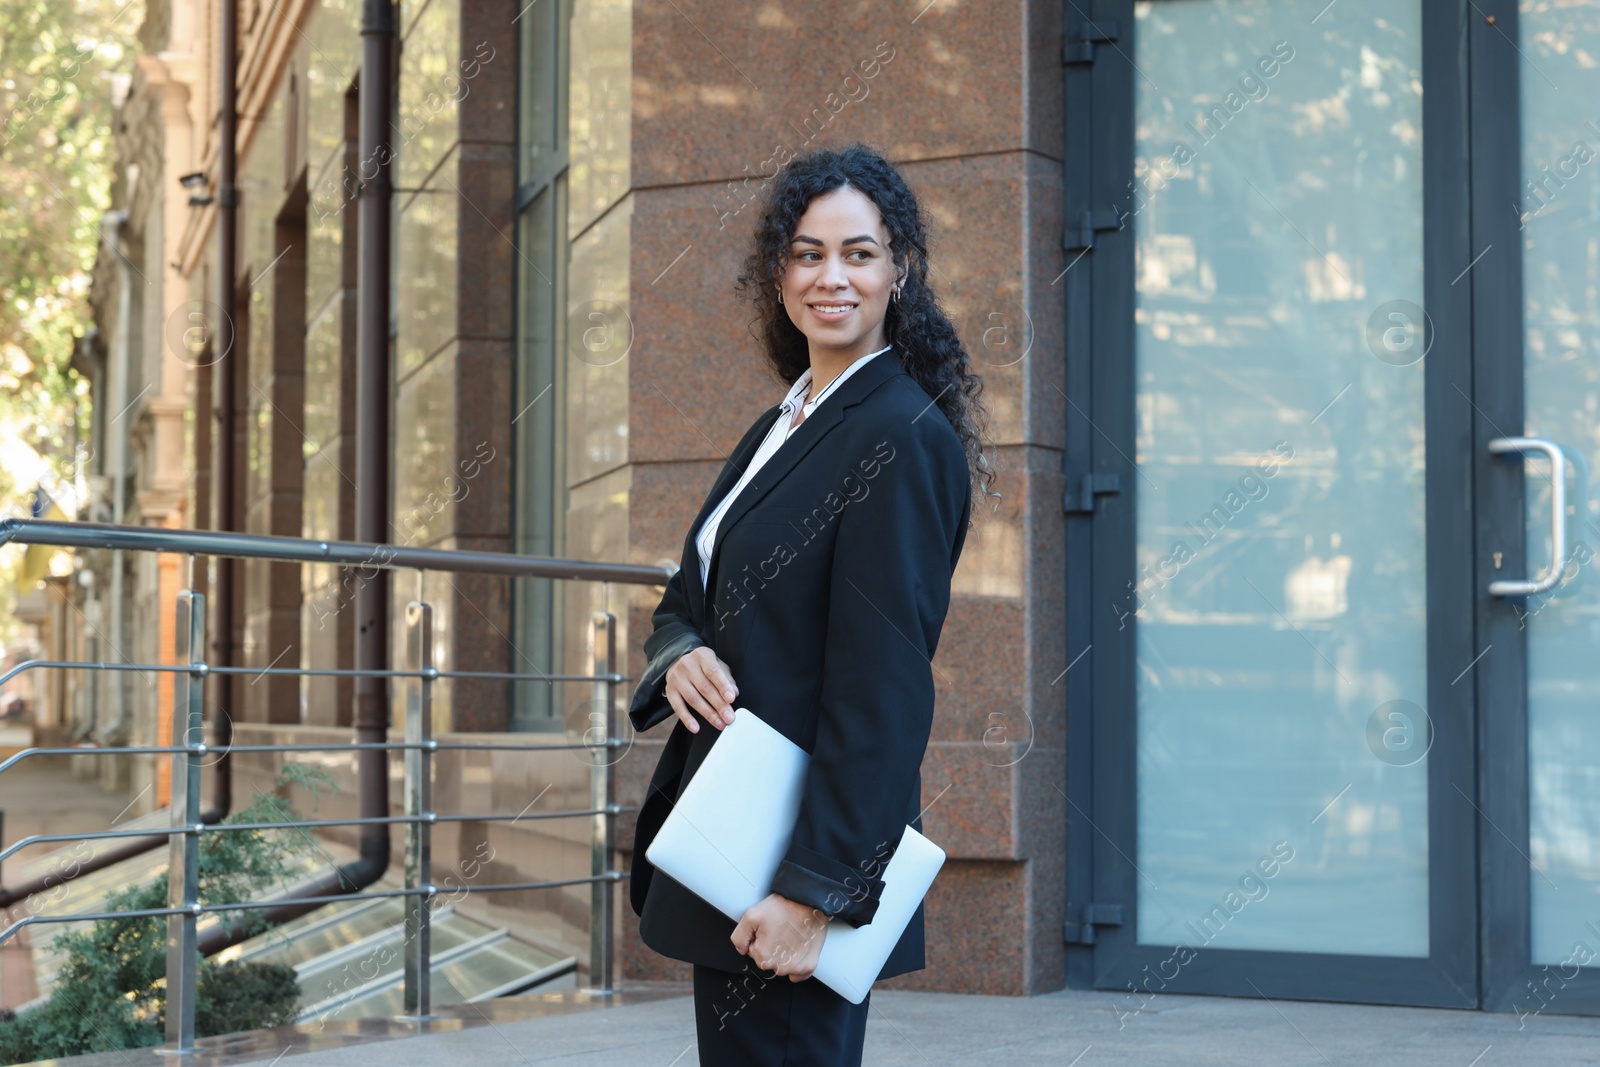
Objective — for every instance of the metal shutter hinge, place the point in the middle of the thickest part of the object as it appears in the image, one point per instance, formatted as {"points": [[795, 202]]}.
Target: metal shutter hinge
{"points": [[1090, 223], [1079, 47], [1093, 915], [1092, 485]]}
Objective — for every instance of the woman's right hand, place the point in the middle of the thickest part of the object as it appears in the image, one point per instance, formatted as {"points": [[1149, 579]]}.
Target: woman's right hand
{"points": [[702, 682]]}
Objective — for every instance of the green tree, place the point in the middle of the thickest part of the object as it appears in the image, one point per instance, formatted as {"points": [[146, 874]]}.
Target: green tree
{"points": [[57, 58]]}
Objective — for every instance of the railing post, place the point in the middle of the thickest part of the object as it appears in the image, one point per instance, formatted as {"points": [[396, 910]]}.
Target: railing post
{"points": [[419, 802], [183, 865], [602, 726]]}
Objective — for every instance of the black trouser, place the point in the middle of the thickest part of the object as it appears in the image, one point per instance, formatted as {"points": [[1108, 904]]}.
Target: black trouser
{"points": [[751, 1019]]}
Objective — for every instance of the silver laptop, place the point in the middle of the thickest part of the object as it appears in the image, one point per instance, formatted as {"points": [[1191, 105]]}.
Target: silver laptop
{"points": [[727, 833]]}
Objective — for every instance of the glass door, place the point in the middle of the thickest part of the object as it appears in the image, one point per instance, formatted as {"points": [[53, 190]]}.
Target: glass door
{"points": [[1536, 142], [1271, 524]]}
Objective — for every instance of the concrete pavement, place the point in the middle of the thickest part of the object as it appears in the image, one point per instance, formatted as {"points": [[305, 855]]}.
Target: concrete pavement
{"points": [[652, 1026]]}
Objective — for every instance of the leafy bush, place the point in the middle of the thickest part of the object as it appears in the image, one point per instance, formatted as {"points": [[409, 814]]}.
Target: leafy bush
{"points": [[110, 992]]}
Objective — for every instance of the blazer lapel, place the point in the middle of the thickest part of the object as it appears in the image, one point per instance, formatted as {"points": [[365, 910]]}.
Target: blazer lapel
{"points": [[732, 471], [828, 415]]}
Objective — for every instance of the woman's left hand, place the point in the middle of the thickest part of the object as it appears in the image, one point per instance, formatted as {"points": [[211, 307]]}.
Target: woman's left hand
{"points": [[782, 936]]}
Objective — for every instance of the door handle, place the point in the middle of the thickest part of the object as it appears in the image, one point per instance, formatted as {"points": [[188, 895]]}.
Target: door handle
{"points": [[1558, 515]]}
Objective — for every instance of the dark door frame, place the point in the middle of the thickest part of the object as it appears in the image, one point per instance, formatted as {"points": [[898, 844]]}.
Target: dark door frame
{"points": [[1101, 495], [1511, 982]]}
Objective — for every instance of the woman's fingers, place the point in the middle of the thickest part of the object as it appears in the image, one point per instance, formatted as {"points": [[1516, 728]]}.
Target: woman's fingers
{"points": [[700, 682], [683, 679], [711, 693], [687, 677], [703, 670], [684, 715], [742, 936], [722, 678], [719, 679]]}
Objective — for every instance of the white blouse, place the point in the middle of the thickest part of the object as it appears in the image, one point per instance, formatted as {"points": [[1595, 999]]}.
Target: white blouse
{"points": [[781, 429]]}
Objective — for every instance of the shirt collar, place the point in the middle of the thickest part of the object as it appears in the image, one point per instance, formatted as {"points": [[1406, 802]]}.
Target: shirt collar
{"points": [[802, 384]]}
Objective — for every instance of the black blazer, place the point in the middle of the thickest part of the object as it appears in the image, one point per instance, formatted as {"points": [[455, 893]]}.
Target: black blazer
{"points": [[831, 576]]}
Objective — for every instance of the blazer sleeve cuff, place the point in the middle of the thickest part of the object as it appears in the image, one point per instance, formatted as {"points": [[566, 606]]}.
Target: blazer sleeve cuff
{"points": [[650, 705], [818, 881]]}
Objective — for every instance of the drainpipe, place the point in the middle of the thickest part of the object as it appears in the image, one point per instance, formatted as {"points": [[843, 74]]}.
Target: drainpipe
{"points": [[372, 478], [224, 651], [121, 366], [93, 366], [372, 426]]}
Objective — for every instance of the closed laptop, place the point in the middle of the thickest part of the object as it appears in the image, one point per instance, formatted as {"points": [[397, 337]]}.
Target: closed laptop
{"points": [[731, 827]]}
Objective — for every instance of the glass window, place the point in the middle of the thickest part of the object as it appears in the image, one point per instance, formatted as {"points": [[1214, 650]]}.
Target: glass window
{"points": [[1561, 398], [1280, 604], [540, 501]]}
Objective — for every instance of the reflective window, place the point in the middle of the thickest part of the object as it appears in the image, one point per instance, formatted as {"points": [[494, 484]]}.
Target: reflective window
{"points": [[1279, 606]]}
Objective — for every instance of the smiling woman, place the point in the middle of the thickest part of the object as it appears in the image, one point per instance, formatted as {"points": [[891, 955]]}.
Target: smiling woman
{"points": [[836, 288], [836, 652]]}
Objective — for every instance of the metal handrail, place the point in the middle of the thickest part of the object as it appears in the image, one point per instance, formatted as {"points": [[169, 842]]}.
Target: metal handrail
{"points": [[418, 748], [430, 891], [431, 818], [336, 672], [283, 549], [352, 746]]}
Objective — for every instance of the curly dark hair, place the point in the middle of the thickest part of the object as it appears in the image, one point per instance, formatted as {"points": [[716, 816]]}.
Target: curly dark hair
{"points": [[923, 337]]}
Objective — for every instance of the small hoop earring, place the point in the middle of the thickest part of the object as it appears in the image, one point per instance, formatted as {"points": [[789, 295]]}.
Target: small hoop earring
{"points": [[894, 295], [780, 294]]}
